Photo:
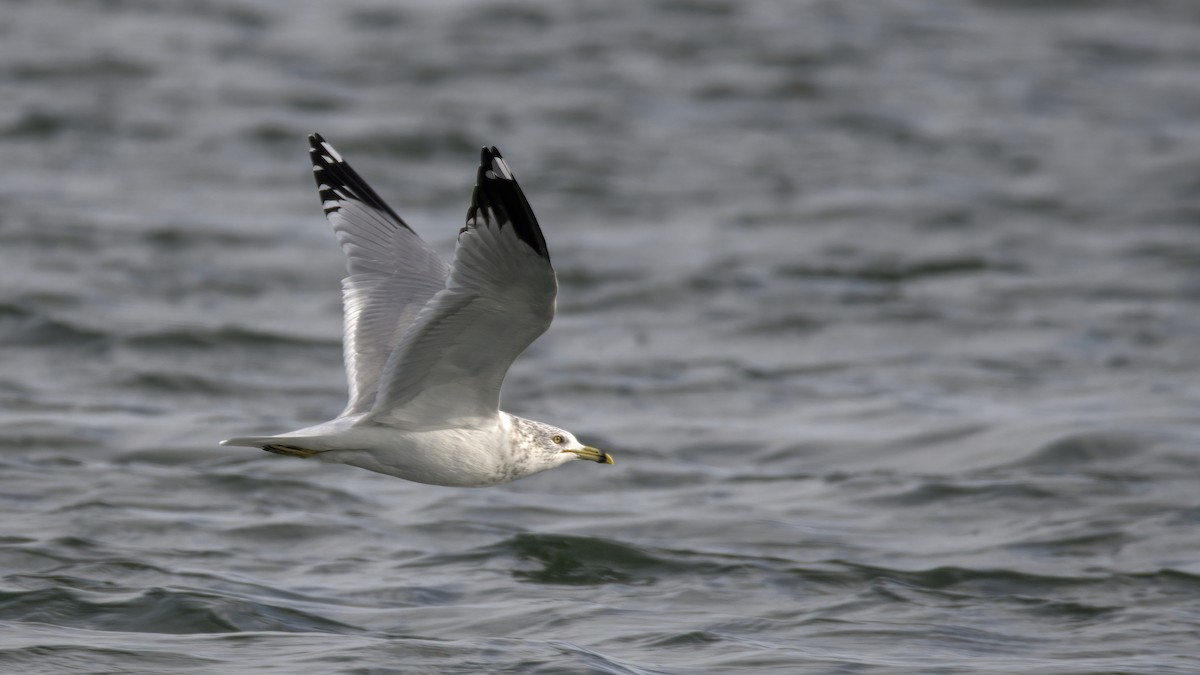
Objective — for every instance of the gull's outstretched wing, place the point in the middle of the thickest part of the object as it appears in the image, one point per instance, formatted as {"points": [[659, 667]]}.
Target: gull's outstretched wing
{"points": [[392, 272], [448, 368]]}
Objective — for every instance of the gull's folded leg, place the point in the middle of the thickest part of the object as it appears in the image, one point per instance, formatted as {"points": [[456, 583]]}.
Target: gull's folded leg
{"points": [[290, 451]]}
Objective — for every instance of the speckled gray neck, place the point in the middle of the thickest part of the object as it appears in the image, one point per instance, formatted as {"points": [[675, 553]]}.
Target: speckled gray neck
{"points": [[526, 447]]}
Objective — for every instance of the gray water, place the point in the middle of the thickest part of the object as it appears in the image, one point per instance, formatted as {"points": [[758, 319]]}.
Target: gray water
{"points": [[889, 313]]}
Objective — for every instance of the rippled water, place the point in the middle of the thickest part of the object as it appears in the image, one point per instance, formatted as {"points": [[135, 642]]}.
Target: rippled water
{"points": [[888, 311]]}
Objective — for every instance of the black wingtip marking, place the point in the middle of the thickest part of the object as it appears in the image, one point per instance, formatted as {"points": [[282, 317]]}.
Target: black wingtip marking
{"points": [[496, 190], [338, 181]]}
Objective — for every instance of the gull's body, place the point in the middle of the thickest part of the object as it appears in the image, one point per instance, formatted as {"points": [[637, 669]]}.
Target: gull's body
{"points": [[477, 456], [427, 345]]}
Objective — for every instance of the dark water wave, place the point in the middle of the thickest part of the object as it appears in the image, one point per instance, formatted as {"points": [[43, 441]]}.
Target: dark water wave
{"points": [[156, 610]]}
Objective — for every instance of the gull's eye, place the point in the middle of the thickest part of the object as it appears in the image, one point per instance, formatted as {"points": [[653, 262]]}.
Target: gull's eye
{"points": [[558, 439]]}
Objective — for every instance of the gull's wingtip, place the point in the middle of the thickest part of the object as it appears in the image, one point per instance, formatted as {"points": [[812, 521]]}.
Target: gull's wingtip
{"points": [[490, 160], [338, 183], [322, 152], [498, 196]]}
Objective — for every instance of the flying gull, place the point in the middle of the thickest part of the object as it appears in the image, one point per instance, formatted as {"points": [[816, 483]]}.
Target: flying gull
{"points": [[427, 345]]}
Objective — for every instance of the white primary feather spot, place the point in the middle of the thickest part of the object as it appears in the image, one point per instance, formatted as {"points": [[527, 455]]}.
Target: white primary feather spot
{"points": [[332, 153], [499, 166]]}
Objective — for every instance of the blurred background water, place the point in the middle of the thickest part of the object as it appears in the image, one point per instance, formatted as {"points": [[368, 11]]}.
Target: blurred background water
{"points": [[888, 312]]}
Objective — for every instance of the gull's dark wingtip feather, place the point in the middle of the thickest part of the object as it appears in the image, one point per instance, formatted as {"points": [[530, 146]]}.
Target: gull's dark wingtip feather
{"points": [[496, 190], [337, 181]]}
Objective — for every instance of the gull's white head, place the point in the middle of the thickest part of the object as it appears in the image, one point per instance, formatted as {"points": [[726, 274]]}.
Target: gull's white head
{"points": [[547, 446]]}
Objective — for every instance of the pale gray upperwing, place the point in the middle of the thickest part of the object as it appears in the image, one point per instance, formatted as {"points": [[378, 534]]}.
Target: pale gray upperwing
{"points": [[451, 362], [392, 272]]}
